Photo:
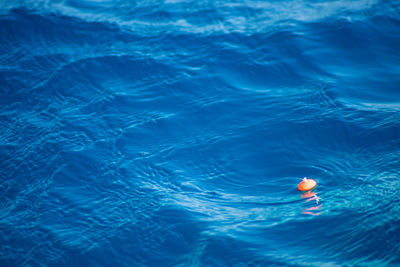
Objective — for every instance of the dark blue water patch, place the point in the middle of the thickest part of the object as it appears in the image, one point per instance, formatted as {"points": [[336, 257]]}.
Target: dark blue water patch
{"points": [[369, 68], [178, 238], [32, 29]]}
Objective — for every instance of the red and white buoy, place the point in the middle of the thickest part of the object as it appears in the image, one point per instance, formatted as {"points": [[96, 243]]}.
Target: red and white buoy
{"points": [[306, 184]]}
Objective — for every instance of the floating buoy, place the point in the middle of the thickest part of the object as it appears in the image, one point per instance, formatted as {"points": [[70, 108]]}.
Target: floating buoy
{"points": [[306, 184]]}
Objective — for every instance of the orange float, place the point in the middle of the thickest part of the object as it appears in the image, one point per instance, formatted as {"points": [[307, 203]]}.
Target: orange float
{"points": [[306, 184]]}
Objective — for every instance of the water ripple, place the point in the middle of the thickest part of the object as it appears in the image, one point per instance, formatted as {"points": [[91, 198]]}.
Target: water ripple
{"points": [[174, 133]]}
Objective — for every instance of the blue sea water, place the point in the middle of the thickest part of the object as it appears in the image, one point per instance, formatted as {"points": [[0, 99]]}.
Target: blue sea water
{"points": [[174, 133]]}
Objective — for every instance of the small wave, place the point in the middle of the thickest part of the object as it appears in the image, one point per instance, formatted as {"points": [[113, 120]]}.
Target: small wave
{"points": [[175, 133]]}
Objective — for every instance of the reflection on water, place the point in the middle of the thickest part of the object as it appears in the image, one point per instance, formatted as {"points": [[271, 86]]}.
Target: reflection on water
{"points": [[312, 198]]}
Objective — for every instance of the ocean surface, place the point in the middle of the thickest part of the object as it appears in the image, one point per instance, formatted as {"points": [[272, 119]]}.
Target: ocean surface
{"points": [[174, 133]]}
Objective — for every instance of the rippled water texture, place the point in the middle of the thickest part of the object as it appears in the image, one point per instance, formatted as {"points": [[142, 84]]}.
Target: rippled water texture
{"points": [[175, 133]]}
